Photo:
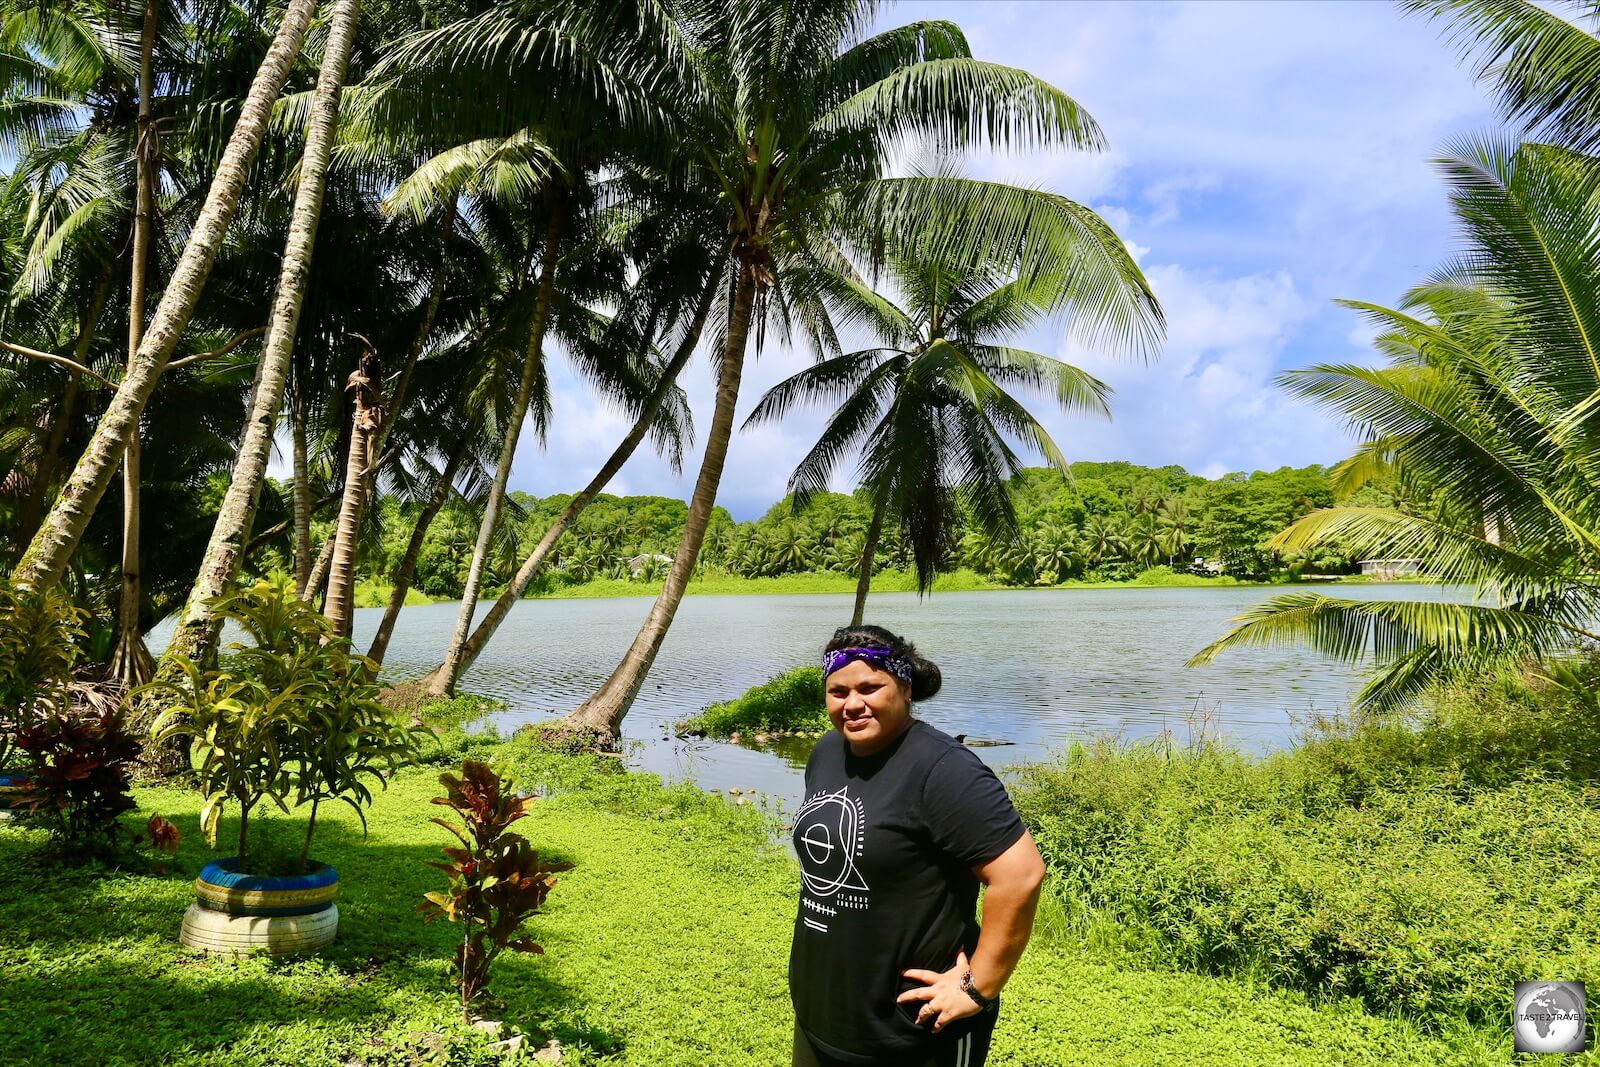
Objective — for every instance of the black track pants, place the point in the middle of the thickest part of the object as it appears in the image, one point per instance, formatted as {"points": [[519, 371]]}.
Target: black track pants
{"points": [[967, 1049]]}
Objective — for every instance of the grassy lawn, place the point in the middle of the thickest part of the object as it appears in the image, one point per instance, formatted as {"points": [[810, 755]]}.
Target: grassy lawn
{"points": [[666, 944]]}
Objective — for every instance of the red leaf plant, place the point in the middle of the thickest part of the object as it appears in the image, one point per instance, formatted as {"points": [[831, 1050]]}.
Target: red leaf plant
{"points": [[496, 878], [79, 776]]}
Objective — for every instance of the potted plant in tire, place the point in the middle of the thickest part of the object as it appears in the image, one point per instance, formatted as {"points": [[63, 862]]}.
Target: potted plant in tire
{"points": [[39, 634], [291, 720]]}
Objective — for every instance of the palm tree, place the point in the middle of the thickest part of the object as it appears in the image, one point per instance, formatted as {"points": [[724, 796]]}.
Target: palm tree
{"points": [[1104, 539], [786, 121], [669, 280], [1175, 529], [1146, 538], [1493, 374], [1541, 64], [46, 556], [196, 630], [928, 406], [1054, 549]]}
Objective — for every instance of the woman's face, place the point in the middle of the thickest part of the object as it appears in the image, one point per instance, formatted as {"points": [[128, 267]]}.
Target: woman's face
{"points": [[869, 706]]}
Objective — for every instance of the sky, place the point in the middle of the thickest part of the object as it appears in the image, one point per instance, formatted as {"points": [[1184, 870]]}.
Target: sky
{"points": [[1263, 160]]}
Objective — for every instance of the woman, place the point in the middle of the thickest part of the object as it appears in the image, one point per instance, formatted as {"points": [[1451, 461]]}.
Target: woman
{"points": [[900, 825]]}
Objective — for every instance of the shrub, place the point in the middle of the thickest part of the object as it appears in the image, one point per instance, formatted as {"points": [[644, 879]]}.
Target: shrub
{"points": [[793, 701], [79, 773], [496, 878], [1378, 861], [39, 632], [292, 716]]}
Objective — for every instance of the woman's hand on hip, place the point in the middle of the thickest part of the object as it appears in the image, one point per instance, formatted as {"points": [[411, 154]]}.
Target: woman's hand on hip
{"points": [[943, 999]]}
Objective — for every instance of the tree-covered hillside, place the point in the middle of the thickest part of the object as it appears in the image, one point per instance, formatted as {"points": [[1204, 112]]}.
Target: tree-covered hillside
{"points": [[1109, 522]]}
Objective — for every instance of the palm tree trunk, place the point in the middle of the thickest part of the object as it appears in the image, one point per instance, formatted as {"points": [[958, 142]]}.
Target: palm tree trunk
{"points": [[604, 711], [430, 313], [197, 627], [408, 563], [444, 682], [46, 557], [620, 456], [390, 412], [302, 494], [366, 382], [319, 570], [130, 660], [869, 551]]}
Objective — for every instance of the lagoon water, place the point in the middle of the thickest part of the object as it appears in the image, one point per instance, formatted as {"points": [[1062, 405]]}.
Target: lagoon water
{"points": [[1035, 668]]}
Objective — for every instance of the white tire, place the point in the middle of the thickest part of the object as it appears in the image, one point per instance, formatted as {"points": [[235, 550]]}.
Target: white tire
{"points": [[239, 935]]}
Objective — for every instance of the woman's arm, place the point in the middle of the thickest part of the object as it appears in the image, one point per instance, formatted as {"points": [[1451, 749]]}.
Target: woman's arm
{"points": [[1013, 879]]}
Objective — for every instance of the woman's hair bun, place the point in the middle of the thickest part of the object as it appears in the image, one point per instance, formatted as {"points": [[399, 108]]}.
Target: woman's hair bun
{"points": [[925, 676]]}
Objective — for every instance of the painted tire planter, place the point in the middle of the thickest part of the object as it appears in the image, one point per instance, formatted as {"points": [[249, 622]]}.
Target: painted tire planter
{"points": [[280, 915], [240, 935], [12, 784]]}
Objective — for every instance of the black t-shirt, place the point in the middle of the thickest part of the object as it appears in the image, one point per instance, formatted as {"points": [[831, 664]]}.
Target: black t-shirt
{"points": [[887, 844]]}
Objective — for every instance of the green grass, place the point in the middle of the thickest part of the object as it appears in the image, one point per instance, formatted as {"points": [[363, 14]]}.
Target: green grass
{"points": [[886, 581], [895, 581], [374, 593], [665, 945], [792, 702]]}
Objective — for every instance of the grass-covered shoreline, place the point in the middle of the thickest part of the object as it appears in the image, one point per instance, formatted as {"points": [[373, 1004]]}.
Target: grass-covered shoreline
{"points": [[666, 944], [375, 593]]}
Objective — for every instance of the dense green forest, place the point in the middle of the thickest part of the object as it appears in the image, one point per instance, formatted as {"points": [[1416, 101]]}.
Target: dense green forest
{"points": [[1108, 522]]}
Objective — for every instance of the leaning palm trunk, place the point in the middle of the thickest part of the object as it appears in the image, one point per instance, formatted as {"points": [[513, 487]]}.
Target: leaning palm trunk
{"points": [[46, 557], [407, 567], [604, 711], [302, 495], [397, 399], [130, 660], [319, 572], [342, 570], [444, 680], [620, 455], [869, 552], [197, 628]]}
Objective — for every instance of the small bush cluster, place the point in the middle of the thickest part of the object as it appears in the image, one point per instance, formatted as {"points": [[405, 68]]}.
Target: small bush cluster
{"points": [[1422, 868], [793, 702], [290, 719], [39, 634], [77, 760], [80, 771]]}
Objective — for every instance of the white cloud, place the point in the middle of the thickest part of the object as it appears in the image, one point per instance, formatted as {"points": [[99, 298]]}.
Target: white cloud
{"points": [[1209, 402]]}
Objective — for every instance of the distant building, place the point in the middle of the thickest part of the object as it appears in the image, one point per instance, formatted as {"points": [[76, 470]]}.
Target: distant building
{"points": [[1201, 565], [1385, 570], [639, 562]]}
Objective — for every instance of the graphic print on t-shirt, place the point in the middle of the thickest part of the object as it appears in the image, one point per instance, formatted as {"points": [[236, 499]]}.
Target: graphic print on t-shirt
{"points": [[830, 836]]}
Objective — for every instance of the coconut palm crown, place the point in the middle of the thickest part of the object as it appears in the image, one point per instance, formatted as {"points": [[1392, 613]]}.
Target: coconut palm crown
{"points": [[928, 406], [1489, 399]]}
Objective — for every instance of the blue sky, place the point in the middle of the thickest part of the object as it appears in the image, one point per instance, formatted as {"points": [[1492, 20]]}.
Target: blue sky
{"points": [[1264, 159]]}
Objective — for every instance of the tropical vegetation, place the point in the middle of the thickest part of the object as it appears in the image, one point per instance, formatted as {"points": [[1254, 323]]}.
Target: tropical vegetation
{"points": [[691, 878], [1493, 369], [1094, 522], [327, 252]]}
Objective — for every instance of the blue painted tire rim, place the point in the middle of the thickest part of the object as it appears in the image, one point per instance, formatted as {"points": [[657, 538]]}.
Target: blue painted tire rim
{"points": [[221, 888]]}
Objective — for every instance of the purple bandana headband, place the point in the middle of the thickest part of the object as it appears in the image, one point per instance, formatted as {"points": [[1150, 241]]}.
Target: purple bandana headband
{"points": [[878, 656]]}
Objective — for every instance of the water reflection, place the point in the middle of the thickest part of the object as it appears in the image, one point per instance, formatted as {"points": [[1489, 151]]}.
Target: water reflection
{"points": [[1036, 668]]}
